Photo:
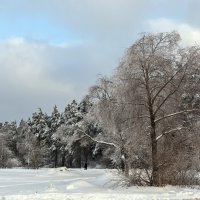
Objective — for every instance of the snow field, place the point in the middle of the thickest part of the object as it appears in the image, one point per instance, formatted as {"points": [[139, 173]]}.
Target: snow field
{"points": [[75, 184]]}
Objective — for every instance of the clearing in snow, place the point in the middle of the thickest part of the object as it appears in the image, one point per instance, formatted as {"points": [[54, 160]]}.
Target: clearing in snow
{"points": [[76, 184]]}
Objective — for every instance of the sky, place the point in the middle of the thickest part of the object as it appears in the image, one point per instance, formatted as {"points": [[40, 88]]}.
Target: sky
{"points": [[52, 51]]}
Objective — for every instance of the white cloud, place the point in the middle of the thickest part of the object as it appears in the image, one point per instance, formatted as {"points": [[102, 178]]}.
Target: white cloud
{"points": [[23, 65], [37, 74], [190, 35], [25, 79]]}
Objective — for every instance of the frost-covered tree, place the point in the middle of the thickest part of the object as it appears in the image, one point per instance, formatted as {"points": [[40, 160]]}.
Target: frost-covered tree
{"points": [[61, 136], [55, 122], [31, 153], [157, 67], [72, 147], [8, 148], [117, 120], [39, 125], [142, 102]]}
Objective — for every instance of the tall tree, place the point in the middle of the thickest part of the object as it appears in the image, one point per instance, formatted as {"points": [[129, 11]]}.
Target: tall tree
{"points": [[55, 122], [156, 69], [144, 97]]}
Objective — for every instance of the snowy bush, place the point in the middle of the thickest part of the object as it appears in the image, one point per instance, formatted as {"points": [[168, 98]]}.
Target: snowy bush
{"points": [[13, 162]]}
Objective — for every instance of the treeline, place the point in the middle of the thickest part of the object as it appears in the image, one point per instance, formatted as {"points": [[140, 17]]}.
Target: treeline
{"points": [[50, 141], [144, 120]]}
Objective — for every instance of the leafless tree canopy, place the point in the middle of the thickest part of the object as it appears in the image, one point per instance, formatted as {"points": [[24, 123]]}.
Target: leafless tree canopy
{"points": [[145, 110]]}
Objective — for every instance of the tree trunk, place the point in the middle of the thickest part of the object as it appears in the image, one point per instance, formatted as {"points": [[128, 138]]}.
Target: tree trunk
{"points": [[69, 161], [55, 158], [125, 164], [63, 159], [78, 156], [154, 154], [154, 150], [126, 168], [86, 155]]}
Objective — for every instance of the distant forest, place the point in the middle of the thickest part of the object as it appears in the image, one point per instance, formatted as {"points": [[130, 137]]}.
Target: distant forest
{"points": [[50, 141]]}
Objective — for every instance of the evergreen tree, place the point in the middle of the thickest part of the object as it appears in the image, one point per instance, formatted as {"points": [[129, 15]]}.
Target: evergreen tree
{"points": [[55, 121]]}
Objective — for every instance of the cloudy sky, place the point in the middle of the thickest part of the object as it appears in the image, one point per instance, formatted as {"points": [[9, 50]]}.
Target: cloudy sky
{"points": [[52, 51]]}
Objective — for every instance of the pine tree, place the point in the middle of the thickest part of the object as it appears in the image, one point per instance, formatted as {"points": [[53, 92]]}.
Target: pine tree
{"points": [[55, 121]]}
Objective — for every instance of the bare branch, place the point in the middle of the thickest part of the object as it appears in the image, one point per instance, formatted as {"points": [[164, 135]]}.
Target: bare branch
{"points": [[170, 131], [167, 97], [161, 89], [142, 116], [131, 103], [97, 141], [170, 94], [174, 114]]}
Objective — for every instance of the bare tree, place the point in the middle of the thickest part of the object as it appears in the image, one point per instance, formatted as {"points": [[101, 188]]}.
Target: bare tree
{"points": [[141, 105], [117, 118], [155, 71]]}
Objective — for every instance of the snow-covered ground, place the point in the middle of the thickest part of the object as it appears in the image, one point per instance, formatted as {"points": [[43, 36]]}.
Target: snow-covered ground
{"points": [[78, 184]]}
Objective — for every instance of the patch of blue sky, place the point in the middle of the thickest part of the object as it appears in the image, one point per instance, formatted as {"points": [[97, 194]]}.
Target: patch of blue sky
{"points": [[35, 28]]}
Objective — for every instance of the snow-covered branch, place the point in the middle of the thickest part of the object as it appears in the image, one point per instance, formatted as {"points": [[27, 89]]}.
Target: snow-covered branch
{"points": [[170, 131], [97, 141], [129, 103], [174, 114]]}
